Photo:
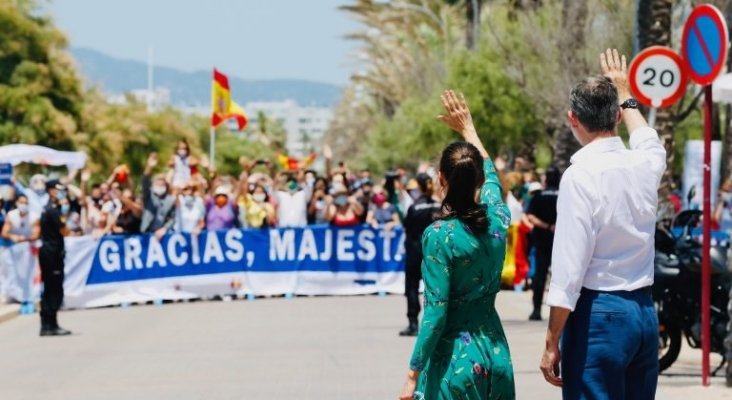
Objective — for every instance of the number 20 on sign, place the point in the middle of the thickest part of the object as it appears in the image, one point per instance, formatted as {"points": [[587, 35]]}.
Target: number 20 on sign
{"points": [[657, 77]]}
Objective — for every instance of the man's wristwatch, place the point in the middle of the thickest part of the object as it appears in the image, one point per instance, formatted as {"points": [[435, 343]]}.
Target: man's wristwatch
{"points": [[630, 103]]}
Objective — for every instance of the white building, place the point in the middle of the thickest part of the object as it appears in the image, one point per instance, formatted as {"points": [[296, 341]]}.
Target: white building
{"points": [[305, 126], [156, 99]]}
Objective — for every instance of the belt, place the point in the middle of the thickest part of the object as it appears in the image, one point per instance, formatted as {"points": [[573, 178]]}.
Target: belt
{"points": [[644, 290]]}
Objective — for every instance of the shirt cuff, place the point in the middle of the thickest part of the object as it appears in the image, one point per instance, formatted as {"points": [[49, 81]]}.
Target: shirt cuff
{"points": [[640, 135], [561, 298]]}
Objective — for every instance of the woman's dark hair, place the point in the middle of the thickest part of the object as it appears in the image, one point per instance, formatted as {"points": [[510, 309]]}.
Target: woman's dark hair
{"points": [[185, 143], [461, 166], [424, 182], [552, 176]]}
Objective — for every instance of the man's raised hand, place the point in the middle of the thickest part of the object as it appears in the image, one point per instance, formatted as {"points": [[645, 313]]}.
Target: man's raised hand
{"points": [[615, 67]]}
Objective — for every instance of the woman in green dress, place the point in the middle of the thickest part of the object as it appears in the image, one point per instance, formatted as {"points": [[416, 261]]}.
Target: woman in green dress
{"points": [[461, 351]]}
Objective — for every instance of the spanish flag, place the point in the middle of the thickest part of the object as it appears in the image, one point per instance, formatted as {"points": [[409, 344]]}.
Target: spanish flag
{"points": [[222, 107], [294, 164]]}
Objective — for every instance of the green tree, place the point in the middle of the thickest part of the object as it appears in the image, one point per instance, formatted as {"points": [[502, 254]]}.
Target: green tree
{"points": [[40, 92]]}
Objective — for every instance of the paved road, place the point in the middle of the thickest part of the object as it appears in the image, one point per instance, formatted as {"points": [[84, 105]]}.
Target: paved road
{"points": [[305, 348]]}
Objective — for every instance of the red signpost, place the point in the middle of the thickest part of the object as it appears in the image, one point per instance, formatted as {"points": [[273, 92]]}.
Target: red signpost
{"points": [[704, 51]]}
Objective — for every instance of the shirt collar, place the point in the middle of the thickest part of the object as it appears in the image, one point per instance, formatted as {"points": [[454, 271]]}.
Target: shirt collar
{"points": [[598, 146]]}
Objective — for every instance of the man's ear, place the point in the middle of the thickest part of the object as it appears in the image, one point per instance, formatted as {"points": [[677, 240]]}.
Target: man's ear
{"points": [[572, 119], [619, 117]]}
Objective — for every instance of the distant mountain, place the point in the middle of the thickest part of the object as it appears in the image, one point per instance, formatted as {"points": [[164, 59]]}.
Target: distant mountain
{"points": [[116, 76]]}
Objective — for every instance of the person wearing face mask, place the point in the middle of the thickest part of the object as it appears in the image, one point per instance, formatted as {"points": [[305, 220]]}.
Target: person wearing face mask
{"points": [[221, 211], [21, 228], [256, 210], [293, 205], [381, 212], [318, 206], [189, 215], [344, 211], [36, 193], [419, 216], [158, 216], [181, 165], [51, 258]]}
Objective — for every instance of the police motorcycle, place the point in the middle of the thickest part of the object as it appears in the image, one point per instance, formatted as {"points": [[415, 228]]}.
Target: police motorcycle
{"points": [[677, 287]]}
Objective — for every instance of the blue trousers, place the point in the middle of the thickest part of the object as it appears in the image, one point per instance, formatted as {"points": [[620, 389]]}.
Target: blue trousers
{"points": [[610, 347]]}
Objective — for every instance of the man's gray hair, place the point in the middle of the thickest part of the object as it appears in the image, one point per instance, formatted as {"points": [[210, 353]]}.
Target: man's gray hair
{"points": [[594, 100]]}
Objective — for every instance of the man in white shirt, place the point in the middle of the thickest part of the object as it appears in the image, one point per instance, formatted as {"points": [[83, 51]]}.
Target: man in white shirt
{"points": [[602, 263], [293, 205]]}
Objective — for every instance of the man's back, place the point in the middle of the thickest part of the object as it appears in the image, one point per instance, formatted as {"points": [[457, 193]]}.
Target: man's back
{"points": [[611, 194]]}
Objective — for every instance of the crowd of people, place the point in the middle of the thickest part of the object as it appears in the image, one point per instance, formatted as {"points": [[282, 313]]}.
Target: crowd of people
{"points": [[180, 197]]}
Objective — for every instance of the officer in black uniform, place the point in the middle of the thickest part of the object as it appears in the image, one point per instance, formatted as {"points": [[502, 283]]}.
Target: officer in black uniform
{"points": [[51, 259], [419, 216]]}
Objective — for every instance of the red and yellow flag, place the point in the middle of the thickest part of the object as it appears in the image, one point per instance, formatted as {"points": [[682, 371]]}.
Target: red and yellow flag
{"points": [[294, 164], [222, 107]]}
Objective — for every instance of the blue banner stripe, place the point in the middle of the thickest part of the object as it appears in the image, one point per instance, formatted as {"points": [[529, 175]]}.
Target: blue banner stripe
{"points": [[319, 249]]}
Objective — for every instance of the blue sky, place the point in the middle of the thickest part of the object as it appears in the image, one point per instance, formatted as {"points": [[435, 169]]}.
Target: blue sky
{"points": [[252, 39]]}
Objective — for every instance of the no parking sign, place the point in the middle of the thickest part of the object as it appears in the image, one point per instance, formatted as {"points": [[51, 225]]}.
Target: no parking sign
{"points": [[704, 44]]}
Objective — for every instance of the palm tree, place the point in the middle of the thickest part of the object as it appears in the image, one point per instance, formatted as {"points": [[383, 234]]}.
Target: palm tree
{"points": [[653, 21]]}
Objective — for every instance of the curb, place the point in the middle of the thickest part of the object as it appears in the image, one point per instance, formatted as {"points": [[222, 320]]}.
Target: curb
{"points": [[9, 311]]}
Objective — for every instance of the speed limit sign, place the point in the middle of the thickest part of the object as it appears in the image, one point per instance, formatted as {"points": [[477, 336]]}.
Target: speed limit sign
{"points": [[657, 77]]}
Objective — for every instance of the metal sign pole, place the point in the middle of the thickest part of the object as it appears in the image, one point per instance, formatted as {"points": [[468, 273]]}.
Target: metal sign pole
{"points": [[707, 216], [652, 117]]}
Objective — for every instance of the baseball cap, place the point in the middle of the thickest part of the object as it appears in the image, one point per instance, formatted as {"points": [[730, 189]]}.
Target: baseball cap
{"points": [[221, 191], [54, 184]]}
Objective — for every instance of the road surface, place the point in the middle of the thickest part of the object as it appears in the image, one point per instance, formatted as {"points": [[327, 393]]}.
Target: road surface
{"points": [[305, 348]]}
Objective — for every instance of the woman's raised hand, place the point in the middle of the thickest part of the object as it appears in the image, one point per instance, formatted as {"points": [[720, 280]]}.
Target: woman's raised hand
{"points": [[458, 115], [459, 119]]}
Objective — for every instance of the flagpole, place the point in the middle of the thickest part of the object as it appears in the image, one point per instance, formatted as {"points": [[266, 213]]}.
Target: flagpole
{"points": [[211, 152]]}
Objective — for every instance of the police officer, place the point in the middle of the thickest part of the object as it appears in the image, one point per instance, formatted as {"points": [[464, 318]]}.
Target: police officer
{"points": [[419, 216], [51, 259]]}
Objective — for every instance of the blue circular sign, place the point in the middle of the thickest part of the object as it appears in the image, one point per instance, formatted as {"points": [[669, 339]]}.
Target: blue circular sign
{"points": [[704, 44]]}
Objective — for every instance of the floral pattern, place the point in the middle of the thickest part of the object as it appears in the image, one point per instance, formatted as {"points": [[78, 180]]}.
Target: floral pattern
{"points": [[461, 348]]}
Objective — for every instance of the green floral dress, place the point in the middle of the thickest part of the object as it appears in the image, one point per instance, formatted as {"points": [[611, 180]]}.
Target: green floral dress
{"points": [[461, 348]]}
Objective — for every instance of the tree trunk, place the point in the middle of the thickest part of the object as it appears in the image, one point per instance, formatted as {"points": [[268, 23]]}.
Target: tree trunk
{"points": [[574, 18], [470, 38], [654, 28]]}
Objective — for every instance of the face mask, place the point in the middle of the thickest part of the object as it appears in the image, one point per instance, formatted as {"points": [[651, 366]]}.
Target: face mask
{"points": [[415, 194], [188, 200], [182, 153], [341, 201], [65, 209], [259, 197], [338, 187], [60, 195], [221, 201], [292, 186], [159, 190], [23, 208], [379, 200], [310, 181]]}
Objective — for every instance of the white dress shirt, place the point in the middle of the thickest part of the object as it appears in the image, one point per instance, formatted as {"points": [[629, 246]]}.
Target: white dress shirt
{"points": [[293, 209], [606, 217]]}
